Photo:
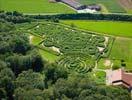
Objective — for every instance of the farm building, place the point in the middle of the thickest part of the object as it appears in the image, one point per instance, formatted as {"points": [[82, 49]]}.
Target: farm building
{"points": [[119, 77], [76, 5], [94, 7]]}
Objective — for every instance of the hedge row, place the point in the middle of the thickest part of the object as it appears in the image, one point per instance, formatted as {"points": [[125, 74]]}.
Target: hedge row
{"points": [[84, 16]]}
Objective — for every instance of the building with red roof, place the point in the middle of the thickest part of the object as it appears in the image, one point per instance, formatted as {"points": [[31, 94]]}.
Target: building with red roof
{"points": [[119, 77]]}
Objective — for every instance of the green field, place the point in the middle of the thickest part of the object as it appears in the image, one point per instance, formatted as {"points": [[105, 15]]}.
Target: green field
{"points": [[34, 6], [111, 5], [107, 27], [122, 49]]}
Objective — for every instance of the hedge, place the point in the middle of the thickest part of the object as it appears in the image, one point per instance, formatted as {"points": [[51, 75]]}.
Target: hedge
{"points": [[85, 16]]}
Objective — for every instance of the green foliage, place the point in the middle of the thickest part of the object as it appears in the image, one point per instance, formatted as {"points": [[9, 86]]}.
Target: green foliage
{"points": [[86, 16], [6, 82], [83, 89], [24, 75], [23, 94], [53, 72], [30, 80], [13, 42], [3, 94], [18, 63], [80, 63], [14, 17], [5, 27], [16, 51]]}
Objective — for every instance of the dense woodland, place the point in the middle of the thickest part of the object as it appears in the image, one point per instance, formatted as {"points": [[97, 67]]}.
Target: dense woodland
{"points": [[24, 75]]}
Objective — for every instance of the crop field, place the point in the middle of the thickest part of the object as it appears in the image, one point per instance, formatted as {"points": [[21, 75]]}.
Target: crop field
{"points": [[78, 50], [112, 5], [122, 29], [34, 6]]}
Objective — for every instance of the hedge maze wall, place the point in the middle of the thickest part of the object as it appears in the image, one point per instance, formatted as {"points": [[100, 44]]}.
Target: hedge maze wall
{"points": [[79, 49]]}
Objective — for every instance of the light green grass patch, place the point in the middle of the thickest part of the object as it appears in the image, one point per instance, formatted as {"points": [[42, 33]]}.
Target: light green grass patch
{"points": [[101, 64], [34, 6], [99, 77], [122, 49], [48, 56], [106, 27], [35, 40]]}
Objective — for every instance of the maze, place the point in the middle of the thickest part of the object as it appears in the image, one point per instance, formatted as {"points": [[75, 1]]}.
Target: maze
{"points": [[79, 49], [81, 64]]}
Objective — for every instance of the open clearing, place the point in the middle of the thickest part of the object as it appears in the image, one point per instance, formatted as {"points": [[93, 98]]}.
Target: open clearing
{"points": [[122, 50], [123, 29], [34, 6]]}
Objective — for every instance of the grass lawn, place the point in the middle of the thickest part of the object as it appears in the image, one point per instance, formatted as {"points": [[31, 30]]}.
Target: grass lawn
{"points": [[111, 5], [100, 77], [35, 40], [122, 49], [101, 64], [34, 6], [106, 27], [48, 56]]}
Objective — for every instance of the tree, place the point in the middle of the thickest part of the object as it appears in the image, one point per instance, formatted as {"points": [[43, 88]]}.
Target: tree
{"points": [[53, 72], [3, 94], [30, 80], [83, 89], [6, 82], [33, 94]]}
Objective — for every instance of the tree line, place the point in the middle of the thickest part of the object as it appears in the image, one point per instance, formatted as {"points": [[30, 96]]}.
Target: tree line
{"points": [[14, 17], [85, 16]]}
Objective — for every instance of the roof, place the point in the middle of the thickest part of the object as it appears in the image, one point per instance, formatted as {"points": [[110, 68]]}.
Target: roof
{"points": [[119, 77], [72, 3]]}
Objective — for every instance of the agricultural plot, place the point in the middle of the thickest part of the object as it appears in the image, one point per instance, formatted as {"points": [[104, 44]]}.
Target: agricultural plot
{"points": [[34, 6], [122, 50], [114, 28], [79, 50], [112, 5]]}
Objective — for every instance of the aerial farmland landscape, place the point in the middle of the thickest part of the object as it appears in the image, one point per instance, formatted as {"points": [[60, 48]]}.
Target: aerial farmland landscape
{"points": [[65, 49]]}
